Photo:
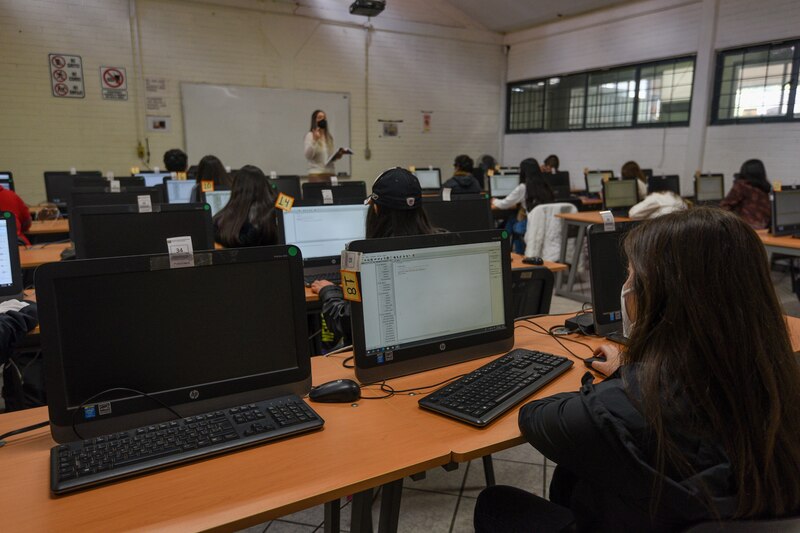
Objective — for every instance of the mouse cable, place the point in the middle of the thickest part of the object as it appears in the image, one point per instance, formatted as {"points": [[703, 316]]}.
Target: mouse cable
{"points": [[388, 388], [557, 337], [549, 334], [347, 360], [20, 431], [339, 350], [542, 315], [381, 385]]}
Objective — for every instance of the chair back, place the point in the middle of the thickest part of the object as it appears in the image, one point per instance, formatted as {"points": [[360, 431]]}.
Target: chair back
{"points": [[531, 290]]}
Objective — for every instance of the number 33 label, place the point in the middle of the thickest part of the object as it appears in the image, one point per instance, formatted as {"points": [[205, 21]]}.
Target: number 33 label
{"points": [[350, 288]]}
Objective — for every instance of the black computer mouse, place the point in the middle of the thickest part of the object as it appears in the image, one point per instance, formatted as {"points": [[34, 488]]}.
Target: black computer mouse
{"points": [[588, 361], [338, 391], [533, 261]]}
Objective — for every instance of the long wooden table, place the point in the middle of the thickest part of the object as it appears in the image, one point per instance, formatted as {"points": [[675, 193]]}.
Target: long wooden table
{"points": [[786, 244], [370, 443], [48, 227]]}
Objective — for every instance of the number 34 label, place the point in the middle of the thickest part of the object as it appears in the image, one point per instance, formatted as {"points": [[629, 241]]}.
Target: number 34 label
{"points": [[350, 288]]}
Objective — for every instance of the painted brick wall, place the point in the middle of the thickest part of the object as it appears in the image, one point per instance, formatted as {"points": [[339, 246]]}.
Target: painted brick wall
{"points": [[413, 68]]}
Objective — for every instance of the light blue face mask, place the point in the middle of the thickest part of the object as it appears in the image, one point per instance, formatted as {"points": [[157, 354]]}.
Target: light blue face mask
{"points": [[627, 325]]}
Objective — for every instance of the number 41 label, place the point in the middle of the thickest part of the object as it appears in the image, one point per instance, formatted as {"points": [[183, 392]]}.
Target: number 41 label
{"points": [[350, 288]]}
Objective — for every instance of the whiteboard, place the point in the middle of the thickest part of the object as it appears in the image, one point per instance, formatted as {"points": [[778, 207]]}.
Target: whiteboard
{"points": [[259, 126]]}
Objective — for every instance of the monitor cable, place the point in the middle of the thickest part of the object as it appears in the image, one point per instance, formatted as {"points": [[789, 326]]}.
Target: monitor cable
{"points": [[20, 431]]}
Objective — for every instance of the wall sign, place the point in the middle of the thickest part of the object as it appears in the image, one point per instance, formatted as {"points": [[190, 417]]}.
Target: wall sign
{"points": [[113, 83], [66, 76]]}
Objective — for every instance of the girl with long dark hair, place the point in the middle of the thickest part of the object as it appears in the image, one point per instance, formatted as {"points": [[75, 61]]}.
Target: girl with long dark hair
{"points": [[249, 217], [749, 196], [531, 191]]}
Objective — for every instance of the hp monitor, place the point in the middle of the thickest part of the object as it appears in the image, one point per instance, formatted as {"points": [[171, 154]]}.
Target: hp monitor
{"points": [[151, 179], [85, 196], [608, 269], [11, 284], [501, 185], [709, 188], [559, 183], [217, 200], [620, 195], [785, 211], [288, 185], [463, 214], [347, 192], [430, 301], [6, 180], [664, 183], [110, 231], [322, 232], [594, 182], [179, 191], [125, 336], [429, 178], [58, 185]]}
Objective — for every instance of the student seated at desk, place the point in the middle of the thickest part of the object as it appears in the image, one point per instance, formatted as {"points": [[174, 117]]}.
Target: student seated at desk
{"points": [[699, 417], [657, 203], [395, 211], [249, 217], [10, 201], [551, 164], [175, 160], [749, 196], [463, 181], [211, 176], [631, 171], [531, 191], [481, 172]]}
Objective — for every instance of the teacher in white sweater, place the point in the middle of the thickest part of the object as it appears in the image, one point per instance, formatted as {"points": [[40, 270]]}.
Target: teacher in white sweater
{"points": [[319, 148]]}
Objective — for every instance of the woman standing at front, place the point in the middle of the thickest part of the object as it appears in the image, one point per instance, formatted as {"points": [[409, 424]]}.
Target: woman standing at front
{"points": [[319, 147]]}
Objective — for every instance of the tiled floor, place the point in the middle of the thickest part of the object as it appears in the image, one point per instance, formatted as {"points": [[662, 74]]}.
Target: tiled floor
{"points": [[444, 501]]}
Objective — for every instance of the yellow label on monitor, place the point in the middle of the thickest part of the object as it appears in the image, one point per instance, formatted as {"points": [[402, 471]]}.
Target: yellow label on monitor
{"points": [[180, 175], [777, 186], [207, 186], [412, 169], [490, 172], [606, 177], [284, 202], [350, 288], [134, 170]]}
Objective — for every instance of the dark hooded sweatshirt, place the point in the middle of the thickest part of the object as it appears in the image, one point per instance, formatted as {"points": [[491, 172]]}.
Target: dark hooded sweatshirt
{"points": [[604, 450], [462, 183]]}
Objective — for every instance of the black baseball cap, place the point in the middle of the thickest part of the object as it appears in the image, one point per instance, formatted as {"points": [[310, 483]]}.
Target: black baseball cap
{"points": [[397, 188]]}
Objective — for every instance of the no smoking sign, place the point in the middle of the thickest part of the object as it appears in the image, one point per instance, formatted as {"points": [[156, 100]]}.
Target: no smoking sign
{"points": [[114, 83]]}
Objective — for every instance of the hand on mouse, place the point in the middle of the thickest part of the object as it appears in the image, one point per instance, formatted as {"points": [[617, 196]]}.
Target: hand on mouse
{"points": [[612, 362], [317, 285]]}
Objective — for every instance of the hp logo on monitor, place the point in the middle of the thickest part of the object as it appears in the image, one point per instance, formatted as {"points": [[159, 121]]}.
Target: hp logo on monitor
{"points": [[194, 394], [442, 346]]}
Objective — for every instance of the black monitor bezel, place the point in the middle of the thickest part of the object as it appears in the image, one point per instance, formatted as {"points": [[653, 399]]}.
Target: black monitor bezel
{"points": [[166, 190], [429, 168], [636, 189], [458, 201], [17, 286], [782, 229], [722, 188], [294, 190], [344, 187], [139, 410], [156, 193], [592, 231], [90, 178], [559, 183], [453, 351], [10, 179], [671, 178], [78, 233]]}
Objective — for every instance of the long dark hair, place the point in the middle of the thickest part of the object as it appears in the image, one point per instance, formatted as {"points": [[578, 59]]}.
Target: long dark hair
{"points": [[754, 173], [328, 138], [211, 168], [632, 170], [537, 190], [709, 336], [251, 201], [388, 222]]}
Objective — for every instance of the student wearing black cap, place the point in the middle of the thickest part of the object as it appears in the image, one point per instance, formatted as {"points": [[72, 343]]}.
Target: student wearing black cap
{"points": [[395, 211]]}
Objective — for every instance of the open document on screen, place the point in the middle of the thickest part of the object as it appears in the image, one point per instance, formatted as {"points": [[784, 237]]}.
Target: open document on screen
{"points": [[323, 231]]}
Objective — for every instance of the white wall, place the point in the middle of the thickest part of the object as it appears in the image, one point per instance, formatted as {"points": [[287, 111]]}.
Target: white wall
{"points": [[415, 64], [653, 30]]}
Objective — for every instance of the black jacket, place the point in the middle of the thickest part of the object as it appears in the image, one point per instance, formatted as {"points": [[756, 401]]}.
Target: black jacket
{"points": [[14, 325], [336, 311], [604, 449], [462, 184]]}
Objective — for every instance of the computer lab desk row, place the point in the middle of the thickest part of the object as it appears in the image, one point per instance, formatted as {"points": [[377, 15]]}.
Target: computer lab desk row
{"points": [[363, 445]]}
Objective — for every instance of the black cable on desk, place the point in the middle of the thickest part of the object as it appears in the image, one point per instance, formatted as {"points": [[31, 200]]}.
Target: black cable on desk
{"points": [[20, 431]]}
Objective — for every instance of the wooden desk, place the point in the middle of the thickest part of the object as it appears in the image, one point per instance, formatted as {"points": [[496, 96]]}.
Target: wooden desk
{"points": [[39, 254], [580, 220], [378, 442], [786, 245], [48, 227]]}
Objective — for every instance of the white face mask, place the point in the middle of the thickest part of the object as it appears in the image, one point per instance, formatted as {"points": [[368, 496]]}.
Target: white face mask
{"points": [[627, 325]]}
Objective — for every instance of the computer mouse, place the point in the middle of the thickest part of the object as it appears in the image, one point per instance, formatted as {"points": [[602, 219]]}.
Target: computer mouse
{"points": [[533, 261], [588, 361], [68, 254], [338, 391]]}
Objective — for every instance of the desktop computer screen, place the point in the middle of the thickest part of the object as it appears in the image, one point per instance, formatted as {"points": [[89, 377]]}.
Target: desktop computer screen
{"points": [[619, 194], [141, 327], [345, 192], [6, 180], [84, 196], [415, 313], [323, 231], [608, 269], [429, 178], [463, 214], [179, 191], [559, 183], [110, 231], [594, 182], [288, 185], [501, 185], [11, 284], [151, 179], [785, 211], [59, 185], [217, 200], [664, 183], [709, 188]]}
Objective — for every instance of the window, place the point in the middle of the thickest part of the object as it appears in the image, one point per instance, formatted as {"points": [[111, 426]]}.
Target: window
{"points": [[757, 84], [650, 94]]}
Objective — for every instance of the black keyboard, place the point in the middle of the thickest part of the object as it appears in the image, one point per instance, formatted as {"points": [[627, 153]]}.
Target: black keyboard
{"points": [[491, 390], [333, 277], [81, 464]]}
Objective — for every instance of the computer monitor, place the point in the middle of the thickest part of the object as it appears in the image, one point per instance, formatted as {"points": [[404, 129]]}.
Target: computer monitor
{"points": [[110, 231], [509, 170], [142, 327], [430, 301], [462, 214], [85, 196], [58, 185], [620, 194], [217, 200], [7, 180], [345, 192], [429, 178], [709, 188], [288, 185], [322, 232], [131, 181], [559, 183], [648, 173], [179, 191], [608, 269], [151, 179], [501, 185], [664, 183], [594, 182], [11, 284], [785, 211]]}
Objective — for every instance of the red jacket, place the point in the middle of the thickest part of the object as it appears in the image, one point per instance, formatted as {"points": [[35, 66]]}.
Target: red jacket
{"points": [[9, 201], [750, 203]]}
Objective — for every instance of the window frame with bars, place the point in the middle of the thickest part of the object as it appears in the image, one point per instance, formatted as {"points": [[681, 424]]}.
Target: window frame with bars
{"points": [[515, 119]]}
